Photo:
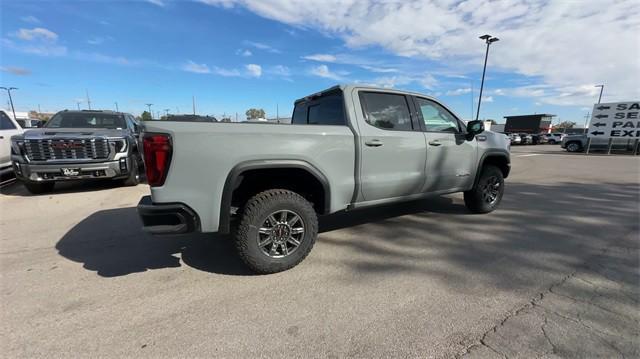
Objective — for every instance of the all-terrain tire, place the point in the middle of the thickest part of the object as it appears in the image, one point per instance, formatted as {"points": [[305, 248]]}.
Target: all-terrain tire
{"points": [[38, 187], [253, 217], [486, 194]]}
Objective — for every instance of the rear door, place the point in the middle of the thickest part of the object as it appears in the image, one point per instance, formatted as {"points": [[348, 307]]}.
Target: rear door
{"points": [[450, 157], [8, 128], [392, 146]]}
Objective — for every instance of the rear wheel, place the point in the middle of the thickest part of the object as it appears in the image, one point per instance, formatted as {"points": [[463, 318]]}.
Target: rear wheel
{"points": [[39, 187], [277, 230], [552, 142], [486, 195]]}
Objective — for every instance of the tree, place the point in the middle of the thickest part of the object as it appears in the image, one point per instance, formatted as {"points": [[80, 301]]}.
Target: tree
{"points": [[254, 113], [226, 119], [146, 116], [564, 125]]}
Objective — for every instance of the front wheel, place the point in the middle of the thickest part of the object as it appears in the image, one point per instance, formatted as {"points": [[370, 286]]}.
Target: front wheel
{"points": [[573, 147], [39, 187], [277, 230], [134, 172], [487, 193]]}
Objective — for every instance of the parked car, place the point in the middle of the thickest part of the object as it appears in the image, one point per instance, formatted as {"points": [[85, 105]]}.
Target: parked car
{"points": [[527, 139], [30, 123], [536, 139], [515, 139], [554, 138], [76, 145], [578, 143], [348, 147], [8, 128]]}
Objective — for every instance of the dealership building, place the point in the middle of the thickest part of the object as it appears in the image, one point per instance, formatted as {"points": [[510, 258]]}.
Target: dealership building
{"points": [[537, 123]]}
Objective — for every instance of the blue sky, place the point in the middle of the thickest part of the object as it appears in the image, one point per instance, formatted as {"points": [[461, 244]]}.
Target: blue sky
{"points": [[233, 55]]}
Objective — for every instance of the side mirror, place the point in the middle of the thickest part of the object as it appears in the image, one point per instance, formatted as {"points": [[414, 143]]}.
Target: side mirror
{"points": [[474, 128]]}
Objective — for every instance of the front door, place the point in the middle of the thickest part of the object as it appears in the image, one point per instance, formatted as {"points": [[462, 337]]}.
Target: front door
{"points": [[392, 146], [450, 157]]}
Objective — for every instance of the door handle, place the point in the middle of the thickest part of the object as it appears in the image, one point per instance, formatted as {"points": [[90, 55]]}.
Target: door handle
{"points": [[374, 143], [435, 143]]}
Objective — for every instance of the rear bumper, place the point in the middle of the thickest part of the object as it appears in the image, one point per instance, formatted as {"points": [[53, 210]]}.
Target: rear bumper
{"points": [[167, 218]]}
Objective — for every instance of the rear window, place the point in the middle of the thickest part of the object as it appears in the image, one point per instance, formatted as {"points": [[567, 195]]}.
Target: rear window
{"points": [[86, 120], [325, 110]]}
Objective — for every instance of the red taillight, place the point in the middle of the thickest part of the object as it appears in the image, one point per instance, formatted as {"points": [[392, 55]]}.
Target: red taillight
{"points": [[157, 157]]}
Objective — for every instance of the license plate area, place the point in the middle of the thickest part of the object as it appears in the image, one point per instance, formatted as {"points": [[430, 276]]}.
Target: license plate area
{"points": [[70, 172]]}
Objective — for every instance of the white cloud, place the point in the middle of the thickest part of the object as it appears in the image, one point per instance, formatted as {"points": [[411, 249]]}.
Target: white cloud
{"points": [[37, 33], [244, 53], [279, 70], [160, 3], [19, 71], [458, 92], [320, 58], [487, 99], [226, 72], [254, 70], [427, 81], [196, 68], [565, 44], [30, 19], [262, 46], [324, 71], [379, 69]]}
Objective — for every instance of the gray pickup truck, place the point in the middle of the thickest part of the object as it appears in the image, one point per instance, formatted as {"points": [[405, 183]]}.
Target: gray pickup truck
{"points": [[78, 145], [348, 147]]}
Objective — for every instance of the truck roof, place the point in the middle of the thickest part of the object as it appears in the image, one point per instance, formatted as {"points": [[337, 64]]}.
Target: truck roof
{"points": [[349, 87]]}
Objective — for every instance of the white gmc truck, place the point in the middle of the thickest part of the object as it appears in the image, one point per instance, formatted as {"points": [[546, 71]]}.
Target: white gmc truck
{"points": [[347, 147]]}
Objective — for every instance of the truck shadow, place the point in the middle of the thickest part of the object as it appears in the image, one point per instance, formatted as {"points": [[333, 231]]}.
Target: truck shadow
{"points": [[112, 243], [18, 190]]}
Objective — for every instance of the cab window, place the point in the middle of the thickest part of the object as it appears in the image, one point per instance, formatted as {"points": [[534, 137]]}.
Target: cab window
{"points": [[5, 122], [327, 109], [386, 111], [436, 118]]}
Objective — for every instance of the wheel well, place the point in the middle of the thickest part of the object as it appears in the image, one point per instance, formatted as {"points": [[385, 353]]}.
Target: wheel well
{"points": [[576, 142], [299, 180], [499, 161]]}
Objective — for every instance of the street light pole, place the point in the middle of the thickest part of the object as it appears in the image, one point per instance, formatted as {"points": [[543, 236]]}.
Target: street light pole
{"points": [[488, 39], [117, 110], [601, 89], [150, 113], [8, 89]]}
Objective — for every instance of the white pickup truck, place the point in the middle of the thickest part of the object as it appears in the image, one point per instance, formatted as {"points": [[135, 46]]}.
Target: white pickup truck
{"points": [[8, 127], [348, 147]]}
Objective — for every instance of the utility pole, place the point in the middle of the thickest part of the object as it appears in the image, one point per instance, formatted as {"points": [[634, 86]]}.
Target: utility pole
{"points": [[78, 103], [586, 121], [277, 113], [166, 112], [88, 99], [488, 39], [8, 89], [149, 107], [601, 89], [117, 109], [236, 117], [39, 109], [193, 102]]}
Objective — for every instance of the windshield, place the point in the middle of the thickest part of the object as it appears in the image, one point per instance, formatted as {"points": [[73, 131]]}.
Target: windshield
{"points": [[86, 120]]}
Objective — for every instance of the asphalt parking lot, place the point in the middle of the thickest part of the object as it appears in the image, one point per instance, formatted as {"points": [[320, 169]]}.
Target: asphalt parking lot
{"points": [[554, 271]]}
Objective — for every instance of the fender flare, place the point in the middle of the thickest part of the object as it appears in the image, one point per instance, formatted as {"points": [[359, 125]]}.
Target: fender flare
{"points": [[234, 179], [492, 153]]}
